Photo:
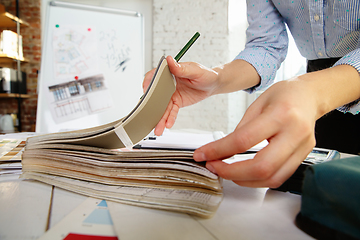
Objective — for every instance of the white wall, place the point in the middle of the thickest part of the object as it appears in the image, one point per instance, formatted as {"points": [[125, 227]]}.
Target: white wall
{"points": [[238, 101], [174, 24]]}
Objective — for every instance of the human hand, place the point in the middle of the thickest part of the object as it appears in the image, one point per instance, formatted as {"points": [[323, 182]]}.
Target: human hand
{"points": [[285, 115], [194, 83]]}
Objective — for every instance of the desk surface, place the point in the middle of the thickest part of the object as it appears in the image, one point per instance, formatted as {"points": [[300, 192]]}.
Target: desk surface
{"points": [[29, 208], [245, 213]]}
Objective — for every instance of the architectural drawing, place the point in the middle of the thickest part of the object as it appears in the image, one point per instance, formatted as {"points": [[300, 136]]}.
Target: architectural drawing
{"points": [[79, 98]]}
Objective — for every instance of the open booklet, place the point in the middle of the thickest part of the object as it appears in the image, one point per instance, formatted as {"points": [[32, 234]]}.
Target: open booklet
{"points": [[90, 161], [130, 129]]}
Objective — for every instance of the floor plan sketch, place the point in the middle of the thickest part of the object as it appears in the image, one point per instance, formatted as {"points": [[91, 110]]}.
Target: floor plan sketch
{"points": [[75, 51]]}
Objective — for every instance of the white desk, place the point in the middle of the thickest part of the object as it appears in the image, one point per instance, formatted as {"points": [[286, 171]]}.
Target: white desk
{"points": [[29, 208], [245, 213]]}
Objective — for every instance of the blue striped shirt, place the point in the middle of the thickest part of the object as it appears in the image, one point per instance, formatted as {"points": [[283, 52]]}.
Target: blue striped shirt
{"points": [[320, 28]]}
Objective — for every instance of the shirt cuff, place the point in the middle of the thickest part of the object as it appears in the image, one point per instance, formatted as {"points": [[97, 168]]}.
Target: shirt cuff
{"points": [[352, 59], [265, 69]]}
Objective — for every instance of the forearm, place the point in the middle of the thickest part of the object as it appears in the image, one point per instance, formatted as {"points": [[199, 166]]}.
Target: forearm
{"points": [[236, 75], [333, 87]]}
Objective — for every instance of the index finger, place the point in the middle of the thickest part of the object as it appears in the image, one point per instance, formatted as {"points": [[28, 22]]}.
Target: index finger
{"points": [[270, 167], [239, 141], [147, 79]]}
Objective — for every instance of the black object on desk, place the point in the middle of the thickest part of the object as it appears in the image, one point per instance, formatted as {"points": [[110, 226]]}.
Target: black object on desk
{"points": [[317, 156]]}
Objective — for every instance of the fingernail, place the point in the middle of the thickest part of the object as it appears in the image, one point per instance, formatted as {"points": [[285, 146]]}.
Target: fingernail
{"points": [[176, 63], [210, 168], [199, 156]]}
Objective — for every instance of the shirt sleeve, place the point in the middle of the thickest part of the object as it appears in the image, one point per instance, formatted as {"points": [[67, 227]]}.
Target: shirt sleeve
{"points": [[266, 41], [352, 59]]}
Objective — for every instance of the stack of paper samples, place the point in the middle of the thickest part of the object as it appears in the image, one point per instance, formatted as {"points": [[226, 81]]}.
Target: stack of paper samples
{"points": [[10, 156], [160, 179], [94, 161]]}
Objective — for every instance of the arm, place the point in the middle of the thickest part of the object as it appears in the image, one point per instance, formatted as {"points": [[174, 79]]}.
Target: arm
{"points": [[351, 59], [266, 41], [196, 82], [285, 115]]}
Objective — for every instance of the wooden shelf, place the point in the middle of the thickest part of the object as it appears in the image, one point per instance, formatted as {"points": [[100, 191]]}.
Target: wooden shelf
{"points": [[14, 95], [4, 58], [9, 20]]}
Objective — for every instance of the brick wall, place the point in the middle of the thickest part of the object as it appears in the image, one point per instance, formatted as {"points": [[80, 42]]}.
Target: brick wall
{"points": [[174, 23], [29, 11]]}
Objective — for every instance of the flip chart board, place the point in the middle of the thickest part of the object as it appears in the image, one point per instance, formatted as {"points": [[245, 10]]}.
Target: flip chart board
{"points": [[92, 66]]}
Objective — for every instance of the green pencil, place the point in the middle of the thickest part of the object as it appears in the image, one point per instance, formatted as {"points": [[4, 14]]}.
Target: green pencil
{"points": [[187, 46], [184, 49]]}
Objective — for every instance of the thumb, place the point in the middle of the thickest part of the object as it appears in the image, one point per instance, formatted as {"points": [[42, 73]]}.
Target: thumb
{"points": [[174, 66], [188, 70]]}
